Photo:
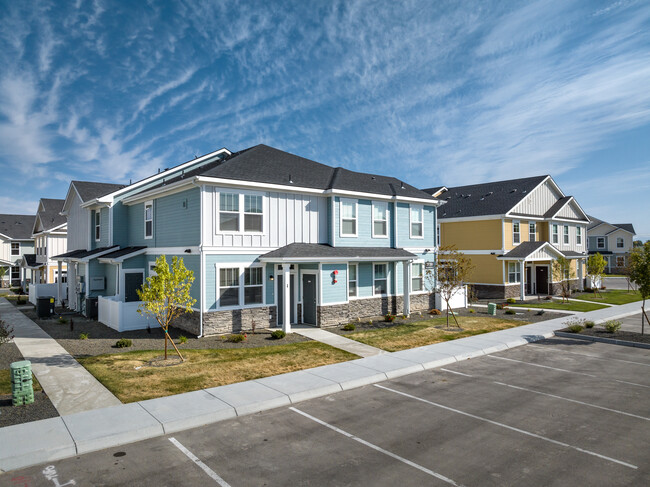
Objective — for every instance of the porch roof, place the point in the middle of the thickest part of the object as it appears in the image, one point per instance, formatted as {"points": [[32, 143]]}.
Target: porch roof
{"points": [[29, 261], [85, 255], [121, 255], [525, 250], [302, 252]]}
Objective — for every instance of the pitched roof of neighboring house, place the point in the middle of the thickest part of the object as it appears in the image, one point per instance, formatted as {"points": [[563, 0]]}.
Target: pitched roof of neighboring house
{"points": [[89, 189], [495, 198], [628, 227], [17, 227], [49, 213], [304, 251], [30, 261], [264, 164], [625, 226], [525, 249]]}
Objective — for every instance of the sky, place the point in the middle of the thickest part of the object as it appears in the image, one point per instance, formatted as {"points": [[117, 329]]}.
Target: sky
{"points": [[435, 93]]}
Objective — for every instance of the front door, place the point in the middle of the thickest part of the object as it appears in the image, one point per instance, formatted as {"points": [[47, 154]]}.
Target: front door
{"points": [[309, 298], [529, 281], [541, 276], [292, 313], [132, 282]]}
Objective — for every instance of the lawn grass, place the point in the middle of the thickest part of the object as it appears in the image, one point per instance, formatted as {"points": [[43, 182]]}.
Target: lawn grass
{"points": [[612, 296], [204, 368], [420, 333], [5, 382], [570, 306]]}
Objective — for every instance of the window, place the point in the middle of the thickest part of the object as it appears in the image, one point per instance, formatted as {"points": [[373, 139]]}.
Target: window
{"points": [[556, 238], [620, 243], [381, 278], [620, 261], [600, 242], [438, 235], [578, 235], [417, 276], [352, 280], [152, 270], [252, 213], [514, 272], [148, 219], [253, 280], [348, 218], [516, 235], [15, 273], [229, 212], [380, 219], [566, 235], [98, 225], [229, 287], [416, 222], [532, 233], [15, 248]]}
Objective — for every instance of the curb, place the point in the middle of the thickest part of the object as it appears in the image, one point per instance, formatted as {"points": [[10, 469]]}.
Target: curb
{"points": [[612, 341]]}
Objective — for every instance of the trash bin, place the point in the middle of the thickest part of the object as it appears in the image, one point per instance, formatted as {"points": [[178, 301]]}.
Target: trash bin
{"points": [[92, 308], [45, 306], [22, 391], [492, 309]]}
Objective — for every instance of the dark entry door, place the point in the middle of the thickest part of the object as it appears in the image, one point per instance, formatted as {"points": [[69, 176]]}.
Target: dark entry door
{"points": [[292, 314], [132, 282], [529, 281], [309, 298], [541, 276]]}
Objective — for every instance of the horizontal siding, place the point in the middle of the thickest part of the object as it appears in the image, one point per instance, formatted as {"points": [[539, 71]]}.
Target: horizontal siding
{"points": [[121, 215], [223, 261], [334, 292], [177, 219], [364, 236], [404, 227]]}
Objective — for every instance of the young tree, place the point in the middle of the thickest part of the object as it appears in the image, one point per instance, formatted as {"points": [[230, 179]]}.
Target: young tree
{"points": [[563, 273], [640, 274], [451, 272], [3, 273], [166, 295], [596, 264]]}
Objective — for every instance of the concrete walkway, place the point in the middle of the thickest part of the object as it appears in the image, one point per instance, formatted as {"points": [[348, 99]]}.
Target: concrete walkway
{"points": [[336, 341], [70, 387]]}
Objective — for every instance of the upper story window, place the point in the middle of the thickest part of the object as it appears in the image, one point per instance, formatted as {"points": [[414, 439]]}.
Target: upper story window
{"points": [[98, 225], [148, 219], [532, 232], [578, 235], [620, 243], [417, 230], [566, 234], [556, 238], [241, 212], [380, 219], [380, 279], [252, 213], [438, 234], [348, 218], [600, 242], [516, 235], [514, 272], [417, 276], [15, 248], [229, 212], [352, 280]]}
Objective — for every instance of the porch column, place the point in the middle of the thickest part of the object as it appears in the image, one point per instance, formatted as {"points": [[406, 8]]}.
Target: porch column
{"points": [[59, 287], [286, 298], [407, 279], [581, 282], [522, 273]]}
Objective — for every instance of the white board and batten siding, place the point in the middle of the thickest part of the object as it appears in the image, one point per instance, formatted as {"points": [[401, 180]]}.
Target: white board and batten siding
{"points": [[569, 211], [56, 245], [78, 225], [538, 201], [287, 218]]}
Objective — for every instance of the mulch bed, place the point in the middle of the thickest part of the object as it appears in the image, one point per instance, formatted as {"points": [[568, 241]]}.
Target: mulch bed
{"points": [[628, 336]]}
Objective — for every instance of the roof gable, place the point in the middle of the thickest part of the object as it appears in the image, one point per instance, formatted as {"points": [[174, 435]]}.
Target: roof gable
{"points": [[17, 227], [49, 215]]}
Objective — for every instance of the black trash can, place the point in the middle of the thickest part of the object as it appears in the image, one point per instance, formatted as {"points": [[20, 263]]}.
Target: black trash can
{"points": [[45, 306], [92, 308]]}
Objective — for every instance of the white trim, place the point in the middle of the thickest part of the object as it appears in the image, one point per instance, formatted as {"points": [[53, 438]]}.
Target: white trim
{"points": [[566, 235], [241, 269], [411, 222], [374, 278], [241, 202], [148, 203], [534, 234], [554, 234], [172, 250], [598, 247], [356, 218], [444, 219], [413, 276], [330, 260], [356, 280], [97, 226], [518, 222], [372, 218], [122, 258], [579, 235], [311, 272], [122, 297]]}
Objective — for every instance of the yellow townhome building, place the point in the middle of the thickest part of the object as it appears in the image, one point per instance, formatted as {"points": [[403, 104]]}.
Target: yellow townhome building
{"points": [[513, 230]]}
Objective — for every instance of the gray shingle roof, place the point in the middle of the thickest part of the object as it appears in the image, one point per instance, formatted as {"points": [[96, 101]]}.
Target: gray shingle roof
{"points": [[324, 251], [524, 249], [84, 254], [122, 252], [17, 227], [625, 226], [30, 260], [495, 198], [50, 216], [597, 221], [556, 207], [89, 190]]}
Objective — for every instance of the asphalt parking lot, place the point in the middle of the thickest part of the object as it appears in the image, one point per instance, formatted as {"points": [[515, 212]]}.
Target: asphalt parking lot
{"points": [[557, 412]]}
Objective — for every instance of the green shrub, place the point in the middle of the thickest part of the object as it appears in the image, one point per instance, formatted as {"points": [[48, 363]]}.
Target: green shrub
{"points": [[472, 310], [510, 312], [123, 343], [62, 320], [182, 339], [499, 306], [389, 318], [575, 328], [236, 338], [589, 324], [349, 327], [279, 334], [540, 312], [612, 326], [511, 300], [404, 317], [83, 336]]}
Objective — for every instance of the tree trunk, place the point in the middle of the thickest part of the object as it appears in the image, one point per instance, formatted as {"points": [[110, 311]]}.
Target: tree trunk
{"points": [[449, 308], [166, 335]]}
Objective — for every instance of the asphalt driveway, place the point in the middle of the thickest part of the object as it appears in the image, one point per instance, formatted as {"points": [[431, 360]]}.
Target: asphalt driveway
{"points": [[558, 412]]}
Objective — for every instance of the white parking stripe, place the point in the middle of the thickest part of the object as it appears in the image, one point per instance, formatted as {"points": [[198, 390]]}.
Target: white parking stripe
{"points": [[211, 473], [572, 400], [512, 428], [542, 366], [377, 448], [632, 383], [457, 373], [561, 350]]}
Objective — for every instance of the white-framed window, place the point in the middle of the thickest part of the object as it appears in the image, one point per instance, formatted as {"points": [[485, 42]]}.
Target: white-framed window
{"points": [[578, 235], [240, 286], [600, 242], [98, 225], [565, 234], [380, 279], [417, 225], [620, 243], [253, 285], [514, 272], [417, 276], [253, 212], [348, 218], [15, 273], [353, 270], [438, 234], [148, 219], [229, 212], [228, 286], [15, 248], [241, 212], [620, 261], [516, 232], [532, 232], [556, 238], [380, 219]]}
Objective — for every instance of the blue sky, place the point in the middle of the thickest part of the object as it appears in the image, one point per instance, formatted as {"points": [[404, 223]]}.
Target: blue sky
{"points": [[436, 93]]}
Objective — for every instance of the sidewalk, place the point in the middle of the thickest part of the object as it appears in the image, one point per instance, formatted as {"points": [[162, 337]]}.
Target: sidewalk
{"points": [[70, 387], [336, 341], [74, 434]]}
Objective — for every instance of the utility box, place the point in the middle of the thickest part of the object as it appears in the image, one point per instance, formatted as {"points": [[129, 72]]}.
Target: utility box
{"points": [[492, 309], [45, 306], [22, 390]]}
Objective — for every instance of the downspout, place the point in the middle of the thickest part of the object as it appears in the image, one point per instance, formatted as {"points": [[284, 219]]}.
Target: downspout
{"points": [[201, 260]]}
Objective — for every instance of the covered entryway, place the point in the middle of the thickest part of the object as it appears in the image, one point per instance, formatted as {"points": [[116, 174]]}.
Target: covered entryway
{"points": [[541, 278], [309, 286]]}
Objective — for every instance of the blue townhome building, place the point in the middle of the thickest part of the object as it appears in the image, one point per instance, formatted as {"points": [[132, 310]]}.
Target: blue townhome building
{"points": [[273, 239]]}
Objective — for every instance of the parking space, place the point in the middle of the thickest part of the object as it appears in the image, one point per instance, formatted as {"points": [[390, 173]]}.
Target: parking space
{"points": [[558, 412]]}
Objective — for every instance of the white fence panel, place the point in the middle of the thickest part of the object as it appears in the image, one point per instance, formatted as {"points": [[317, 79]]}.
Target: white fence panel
{"points": [[458, 299], [39, 290], [122, 316]]}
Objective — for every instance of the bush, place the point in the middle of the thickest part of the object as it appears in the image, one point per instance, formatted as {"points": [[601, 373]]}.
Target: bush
{"points": [[236, 338], [182, 339], [349, 327], [389, 318], [123, 343], [62, 320], [540, 312], [83, 336], [589, 324], [499, 306], [575, 328], [5, 333], [472, 310], [510, 312], [511, 300], [612, 326], [279, 334], [435, 312], [404, 317]]}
